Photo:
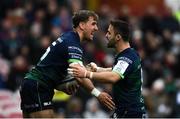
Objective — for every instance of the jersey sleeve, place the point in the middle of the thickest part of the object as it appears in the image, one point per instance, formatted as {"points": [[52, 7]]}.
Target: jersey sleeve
{"points": [[122, 67], [75, 54]]}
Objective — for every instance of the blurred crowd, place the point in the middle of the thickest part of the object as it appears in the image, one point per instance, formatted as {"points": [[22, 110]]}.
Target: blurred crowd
{"points": [[28, 27]]}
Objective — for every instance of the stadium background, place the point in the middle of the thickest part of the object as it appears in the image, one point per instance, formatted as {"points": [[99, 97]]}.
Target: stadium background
{"points": [[27, 27]]}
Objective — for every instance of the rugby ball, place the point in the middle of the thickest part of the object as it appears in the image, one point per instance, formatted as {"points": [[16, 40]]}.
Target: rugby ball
{"points": [[69, 80], [64, 86]]}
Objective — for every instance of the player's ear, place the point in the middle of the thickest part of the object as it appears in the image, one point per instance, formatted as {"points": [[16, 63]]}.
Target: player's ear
{"points": [[118, 36], [81, 25]]}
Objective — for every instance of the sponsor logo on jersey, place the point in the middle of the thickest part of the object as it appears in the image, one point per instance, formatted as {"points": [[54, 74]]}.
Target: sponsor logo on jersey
{"points": [[121, 66]]}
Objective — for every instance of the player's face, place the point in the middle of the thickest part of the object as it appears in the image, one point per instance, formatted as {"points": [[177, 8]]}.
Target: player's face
{"points": [[90, 28], [110, 35]]}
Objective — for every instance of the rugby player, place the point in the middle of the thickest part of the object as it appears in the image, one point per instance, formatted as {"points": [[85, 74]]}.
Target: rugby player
{"points": [[125, 75], [38, 86]]}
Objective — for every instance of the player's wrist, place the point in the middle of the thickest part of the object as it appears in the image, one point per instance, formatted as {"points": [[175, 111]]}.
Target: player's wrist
{"points": [[95, 92], [89, 74]]}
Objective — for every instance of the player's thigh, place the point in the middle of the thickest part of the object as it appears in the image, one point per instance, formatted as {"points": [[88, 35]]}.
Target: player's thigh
{"points": [[26, 115], [48, 113], [35, 98]]}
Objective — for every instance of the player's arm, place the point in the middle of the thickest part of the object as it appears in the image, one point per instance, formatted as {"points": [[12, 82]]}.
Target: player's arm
{"points": [[94, 68], [104, 77], [104, 98], [116, 74], [101, 69], [75, 57]]}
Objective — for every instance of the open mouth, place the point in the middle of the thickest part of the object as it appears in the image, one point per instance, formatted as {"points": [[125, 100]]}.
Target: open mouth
{"points": [[92, 33]]}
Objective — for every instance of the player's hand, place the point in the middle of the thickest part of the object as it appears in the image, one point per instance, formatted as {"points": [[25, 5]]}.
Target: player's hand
{"points": [[71, 88], [77, 71], [92, 67], [106, 100]]}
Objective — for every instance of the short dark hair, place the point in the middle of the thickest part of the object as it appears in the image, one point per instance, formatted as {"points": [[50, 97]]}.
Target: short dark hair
{"points": [[122, 28], [83, 16]]}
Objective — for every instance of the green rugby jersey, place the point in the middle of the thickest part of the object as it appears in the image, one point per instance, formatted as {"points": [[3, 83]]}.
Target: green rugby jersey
{"points": [[127, 91], [52, 67]]}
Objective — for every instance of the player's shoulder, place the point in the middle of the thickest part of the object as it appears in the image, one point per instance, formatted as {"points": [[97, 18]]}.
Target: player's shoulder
{"points": [[129, 55], [72, 41], [132, 53], [70, 37]]}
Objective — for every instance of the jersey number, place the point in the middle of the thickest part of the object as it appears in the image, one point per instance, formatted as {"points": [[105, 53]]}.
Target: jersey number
{"points": [[141, 78], [47, 51]]}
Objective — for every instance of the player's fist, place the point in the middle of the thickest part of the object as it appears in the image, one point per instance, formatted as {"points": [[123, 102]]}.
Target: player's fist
{"points": [[92, 67]]}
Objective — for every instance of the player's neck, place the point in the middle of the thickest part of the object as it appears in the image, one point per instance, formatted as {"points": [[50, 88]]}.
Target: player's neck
{"points": [[80, 33], [122, 46]]}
